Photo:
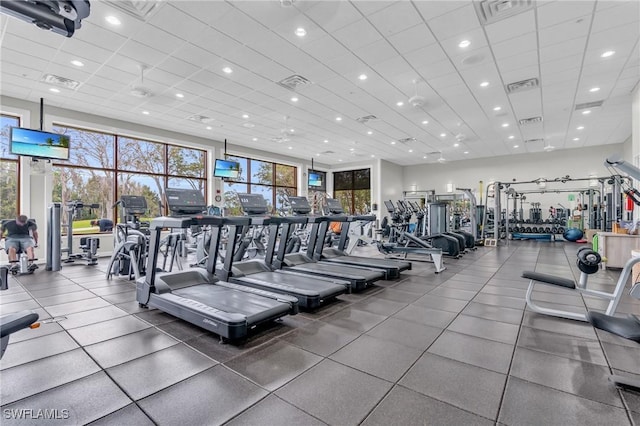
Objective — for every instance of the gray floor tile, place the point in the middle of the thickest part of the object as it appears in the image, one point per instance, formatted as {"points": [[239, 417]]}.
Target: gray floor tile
{"points": [[579, 378], [406, 333], [94, 316], [321, 338], [105, 330], [621, 358], [471, 278], [479, 327], [462, 285], [354, 320], [380, 358], [58, 290], [504, 291], [33, 349], [181, 330], [559, 325], [397, 295], [415, 287], [18, 296], [426, 316], [131, 346], [529, 403], [273, 364], [64, 298], [495, 313], [211, 397], [166, 367], [405, 407], [22, 305], [453, 293], [465, 386], [379, 306], [78, 306], [441, 303], [129, 415], [577, 348], [505, 301], [483, 353], [44, 329], [35, 377], [338, 385], [78, 402], [274, 411], [113, 289], [128, 296]]}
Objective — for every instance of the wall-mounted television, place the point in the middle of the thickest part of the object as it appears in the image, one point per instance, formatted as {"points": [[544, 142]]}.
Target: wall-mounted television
{"points": [[316, 179], [35, 143], [226, 169]]}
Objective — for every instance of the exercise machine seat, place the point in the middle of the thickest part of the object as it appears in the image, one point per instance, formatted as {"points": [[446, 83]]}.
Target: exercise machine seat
{"points": [[10, 323], [629, 327], [549, 279]]}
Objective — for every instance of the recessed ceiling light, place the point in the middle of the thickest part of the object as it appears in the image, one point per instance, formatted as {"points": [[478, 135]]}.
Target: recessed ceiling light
{"points": [[318, 155], [362, 77], [292, 130], [442, 135], [294, 99], [579, 127], [340, 160], [393, 142], [511, 136], [146, 112], [369, 132], [209, 127], [301, 32], [425, 121], [54, 90], [338, 118], [77, 63], [410, 150], [516, 146], [227, 70], [255, 139], [464, 43], [245, 116], [326, 141], [179, 95], [576, 139], [484, 84], [424, 156], [290, 147], [608, 53], [594, 89], [586, 112], [400, 103], [466, 152], [498, 108], [112, 20], [352, 149], [455, 145], [505, 124], [372, 155]]}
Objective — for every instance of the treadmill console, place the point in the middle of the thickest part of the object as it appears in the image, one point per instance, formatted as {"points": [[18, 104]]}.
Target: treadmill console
{"points": [[334, 206], [133, 204], [299, 205], [183, 202], [389, 206], [253, 204]]}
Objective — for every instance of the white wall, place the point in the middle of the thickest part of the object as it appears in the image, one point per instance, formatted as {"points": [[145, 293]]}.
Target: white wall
{"points": [[391, 185]]}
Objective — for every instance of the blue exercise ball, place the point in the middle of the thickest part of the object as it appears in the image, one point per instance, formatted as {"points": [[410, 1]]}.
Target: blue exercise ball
{"points": [[572, 234]]}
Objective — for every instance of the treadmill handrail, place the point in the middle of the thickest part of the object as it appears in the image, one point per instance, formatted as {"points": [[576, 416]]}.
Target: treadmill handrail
{"points": [[188, 221]]}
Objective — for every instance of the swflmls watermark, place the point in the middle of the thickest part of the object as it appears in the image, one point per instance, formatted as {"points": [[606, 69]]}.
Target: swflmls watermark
{"points": [[35, 414]]}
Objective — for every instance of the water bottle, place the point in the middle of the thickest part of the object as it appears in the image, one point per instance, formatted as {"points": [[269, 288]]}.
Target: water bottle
{"points": [[24, 262]]}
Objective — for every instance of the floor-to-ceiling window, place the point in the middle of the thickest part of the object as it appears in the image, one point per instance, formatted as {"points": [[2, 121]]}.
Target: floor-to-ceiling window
{"points": [[9, 171], [273, 181], [353, 189], [103, 166]]}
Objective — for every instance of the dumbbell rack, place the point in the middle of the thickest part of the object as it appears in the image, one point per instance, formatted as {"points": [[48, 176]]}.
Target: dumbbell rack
{"points": [[525, 229]]}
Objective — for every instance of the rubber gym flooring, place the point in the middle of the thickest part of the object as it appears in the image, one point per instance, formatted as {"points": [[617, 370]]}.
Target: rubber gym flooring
{"points": [[452, 348]]}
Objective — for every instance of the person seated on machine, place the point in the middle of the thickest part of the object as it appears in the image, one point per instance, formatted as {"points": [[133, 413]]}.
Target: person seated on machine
{"points": [[106, 225], [22, 236]]}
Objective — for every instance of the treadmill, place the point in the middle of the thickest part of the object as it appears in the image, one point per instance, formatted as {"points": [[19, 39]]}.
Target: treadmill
{"points": [[311, 292], [360, 277], [392, 268], [195, 295]]}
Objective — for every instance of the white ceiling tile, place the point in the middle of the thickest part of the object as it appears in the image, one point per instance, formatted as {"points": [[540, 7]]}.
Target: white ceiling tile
{"points": [[178, 67], [426, 56], [94, 34], [325, 49], [395, 18], [620, 39], [268, 13], [625, 13], [412, 38], [559, 50], [158, 39], [436, 69], [562, 32], [21, 58], [208, 11], [367, 7], [561, 11], [433, 9], [511, 27], [559, 65], [522, 60], [515, 46], [182, 25], [358, 34], [333, 15], [454, 23], [141, 54], [376, 52], [550, 77]]}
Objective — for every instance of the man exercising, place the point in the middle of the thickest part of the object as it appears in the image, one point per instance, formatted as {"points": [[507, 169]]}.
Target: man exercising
{"points": [[22, 235]]}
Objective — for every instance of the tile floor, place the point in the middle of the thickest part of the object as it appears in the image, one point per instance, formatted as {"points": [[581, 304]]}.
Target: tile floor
{"points": [[453, 348]]}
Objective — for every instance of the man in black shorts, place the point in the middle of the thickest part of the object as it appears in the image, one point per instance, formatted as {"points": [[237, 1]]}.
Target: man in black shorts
{"points": [[106, 225], [22, 235]]}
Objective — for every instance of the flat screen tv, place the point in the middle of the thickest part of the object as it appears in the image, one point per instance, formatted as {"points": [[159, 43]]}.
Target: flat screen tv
{"points": [[316, 179], [35, 143], [226, 169]]}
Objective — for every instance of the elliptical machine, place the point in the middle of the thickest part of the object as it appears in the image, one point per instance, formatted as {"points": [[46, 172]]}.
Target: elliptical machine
{"points": [[131, 240]]}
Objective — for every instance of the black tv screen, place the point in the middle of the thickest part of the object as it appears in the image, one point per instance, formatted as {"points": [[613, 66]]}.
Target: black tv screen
{"points": [[226, 169], [316, 179], [35, 143]]}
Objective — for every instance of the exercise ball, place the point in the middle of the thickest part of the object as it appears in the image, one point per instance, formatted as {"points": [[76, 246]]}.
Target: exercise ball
{"points": [[572, 234]]}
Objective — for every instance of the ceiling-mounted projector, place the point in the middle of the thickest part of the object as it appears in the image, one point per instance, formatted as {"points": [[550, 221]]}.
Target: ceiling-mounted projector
{"points": [[60, 16]]}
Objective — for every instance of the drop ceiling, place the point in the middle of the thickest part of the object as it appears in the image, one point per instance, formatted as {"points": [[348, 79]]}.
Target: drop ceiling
{"points": [[169, 62]]}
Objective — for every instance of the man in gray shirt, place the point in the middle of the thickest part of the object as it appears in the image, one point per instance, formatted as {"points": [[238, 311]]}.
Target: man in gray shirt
{"points": [[22, 235]]}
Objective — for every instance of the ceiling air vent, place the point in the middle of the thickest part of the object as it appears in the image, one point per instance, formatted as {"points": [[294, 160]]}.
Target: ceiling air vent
{"points": [[327, 152], [588, 105], [406, 140], [366, 119], [490, 11], [530, 120], [139, 9], [294, 82], [521, 86], [534, 141], [67, 83], [200, 119]]}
